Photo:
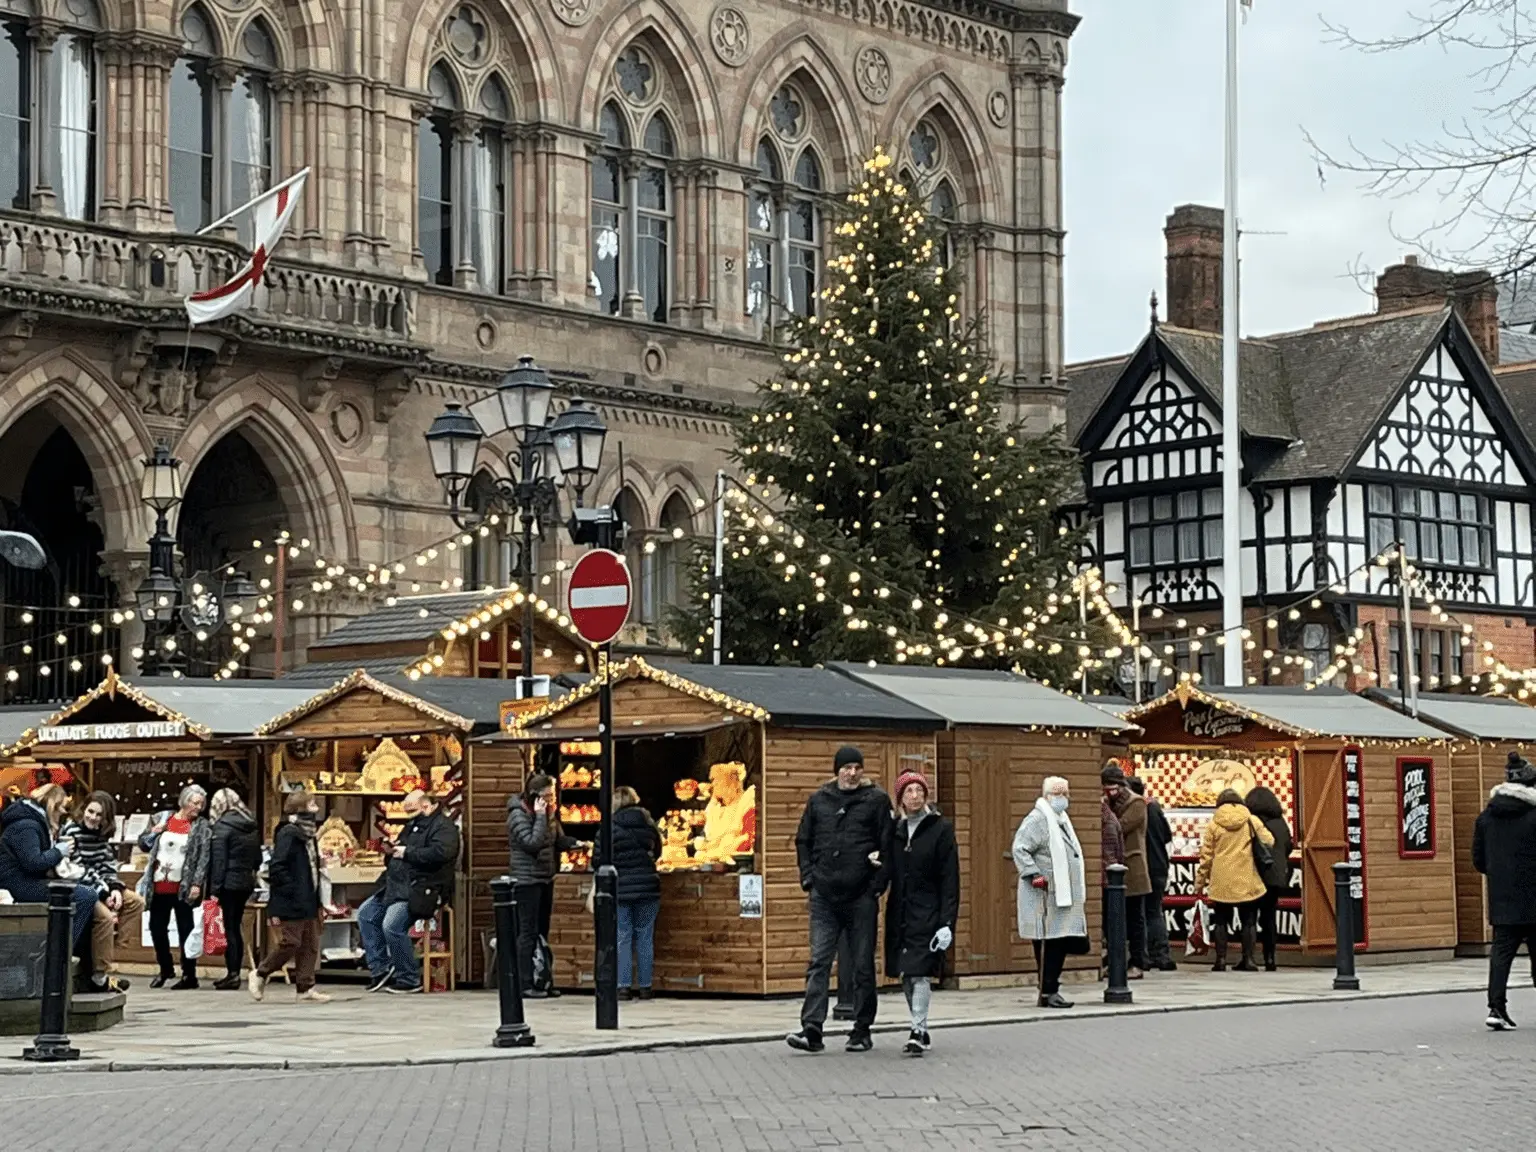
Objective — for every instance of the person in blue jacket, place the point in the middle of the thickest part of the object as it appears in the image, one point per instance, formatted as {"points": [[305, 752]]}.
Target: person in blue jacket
{"points": [[30, 855]]}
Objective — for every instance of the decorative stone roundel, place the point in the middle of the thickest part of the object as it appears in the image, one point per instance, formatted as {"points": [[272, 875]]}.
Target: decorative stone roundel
{"points": [[728, 33], [997, 107], [872, 73], [467, 36], [572, 12], [346, 424]]}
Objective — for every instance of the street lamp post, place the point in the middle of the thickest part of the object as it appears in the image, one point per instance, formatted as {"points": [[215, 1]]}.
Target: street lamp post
{"points": [[546, 454], [159, 597]]}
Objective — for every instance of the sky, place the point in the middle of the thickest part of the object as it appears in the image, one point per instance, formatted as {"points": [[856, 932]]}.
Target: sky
{"points": [[1142, 122]]}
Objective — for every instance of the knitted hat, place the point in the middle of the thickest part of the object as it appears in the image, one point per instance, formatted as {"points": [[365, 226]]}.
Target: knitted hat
{"points": [[1112, 774], [1519, 770], [911, 778], [846, 755]]}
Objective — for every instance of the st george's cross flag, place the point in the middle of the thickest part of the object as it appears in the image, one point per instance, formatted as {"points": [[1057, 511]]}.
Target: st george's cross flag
{"points": [[269, 213]]}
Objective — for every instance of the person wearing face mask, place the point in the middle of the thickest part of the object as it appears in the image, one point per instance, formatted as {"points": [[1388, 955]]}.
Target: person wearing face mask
{"points": [[1053, 889], [843, 850], [297, 879], [179, 845], [96, 856], [924, 902]]}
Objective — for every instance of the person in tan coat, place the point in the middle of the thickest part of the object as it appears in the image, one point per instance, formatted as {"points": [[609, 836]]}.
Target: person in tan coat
{"points": [[1228, 876], [1131, 811]]}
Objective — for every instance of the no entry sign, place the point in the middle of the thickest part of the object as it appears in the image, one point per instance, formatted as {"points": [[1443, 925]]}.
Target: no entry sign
{"points": [[598, 596]]}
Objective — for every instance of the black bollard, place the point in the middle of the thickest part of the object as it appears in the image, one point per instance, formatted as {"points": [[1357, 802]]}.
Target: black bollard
{"points": [[1344, 978], [513, 1031], [52, 1042], [1118, 992]]}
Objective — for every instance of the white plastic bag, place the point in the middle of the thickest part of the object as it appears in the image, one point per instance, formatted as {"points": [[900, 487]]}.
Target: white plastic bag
{"points": [[194, 945]]}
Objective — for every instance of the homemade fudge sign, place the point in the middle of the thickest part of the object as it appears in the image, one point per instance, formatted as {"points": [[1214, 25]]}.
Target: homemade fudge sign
{"points": [[1354, 833], [1203, 720], [1415, 808], [88, 733]]}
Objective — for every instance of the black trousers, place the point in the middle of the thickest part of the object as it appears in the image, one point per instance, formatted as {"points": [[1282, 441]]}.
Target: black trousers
{"points": [[535, 906], [1268, 914], [858, 918], [1158, 952], [1136, 930], [1050, 964], [161, 906], [232, 905], [1507, 939]]}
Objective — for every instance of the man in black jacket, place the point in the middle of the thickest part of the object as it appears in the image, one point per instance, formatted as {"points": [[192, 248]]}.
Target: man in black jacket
{"points": [[418, 879], [842, 847], [1504, 850], [1159, 837]]}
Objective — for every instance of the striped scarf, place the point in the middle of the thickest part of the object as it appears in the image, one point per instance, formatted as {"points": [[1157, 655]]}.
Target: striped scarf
{"points": [[96, 855]]}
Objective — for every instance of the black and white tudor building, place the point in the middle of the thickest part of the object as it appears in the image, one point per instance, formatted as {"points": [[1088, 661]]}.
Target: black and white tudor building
{"points": [[1355, 434]]}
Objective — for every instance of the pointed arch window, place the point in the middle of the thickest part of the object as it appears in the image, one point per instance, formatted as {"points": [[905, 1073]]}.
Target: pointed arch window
{"points": [[944, 207], [48, 109], [434, 177], [784, 236], [804, 230], [15, 114], [488, 190], [74, 120], [251, 113], [641, 564], [486, 559], [672, 554], [194, 105], [655, 216], [608, 206], [763, 235]]}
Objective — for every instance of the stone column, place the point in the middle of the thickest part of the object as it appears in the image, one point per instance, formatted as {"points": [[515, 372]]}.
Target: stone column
{"points": [[631, 303], [111, 127], [44, 34], [519, 178], [312, 93], [709, 244], [225, 73], [465, 128], [546, 213]]}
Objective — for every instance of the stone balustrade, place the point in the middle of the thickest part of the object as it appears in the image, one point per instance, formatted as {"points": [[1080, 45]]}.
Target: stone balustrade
{"points": [[161, 270]]}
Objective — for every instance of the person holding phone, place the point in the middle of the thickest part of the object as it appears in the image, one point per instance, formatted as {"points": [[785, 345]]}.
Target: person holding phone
{"points": [[535, 841], [30, 855]]}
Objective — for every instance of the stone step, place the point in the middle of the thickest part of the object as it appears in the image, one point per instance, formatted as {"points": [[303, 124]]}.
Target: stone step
{"points": [[96, 1011]]}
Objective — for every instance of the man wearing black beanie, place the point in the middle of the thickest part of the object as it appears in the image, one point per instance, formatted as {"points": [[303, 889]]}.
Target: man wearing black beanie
{"points": [[842, 845]]}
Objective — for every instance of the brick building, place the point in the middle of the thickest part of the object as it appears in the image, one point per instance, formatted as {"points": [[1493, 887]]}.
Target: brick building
{"points": [[635, 194], [1399, 425]]}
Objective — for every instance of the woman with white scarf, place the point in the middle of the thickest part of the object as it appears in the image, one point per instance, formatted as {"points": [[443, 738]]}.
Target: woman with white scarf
{"points": [[1053, 891]]}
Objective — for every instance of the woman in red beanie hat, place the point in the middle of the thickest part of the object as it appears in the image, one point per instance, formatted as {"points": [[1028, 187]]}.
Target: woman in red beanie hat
{"points": [[925, 900]]}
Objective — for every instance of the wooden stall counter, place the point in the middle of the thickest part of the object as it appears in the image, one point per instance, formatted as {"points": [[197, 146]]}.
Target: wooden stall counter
{"points": [[703, 942]]}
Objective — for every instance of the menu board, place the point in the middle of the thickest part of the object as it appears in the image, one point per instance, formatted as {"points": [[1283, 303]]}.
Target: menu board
{"points": [[1354, 833], [1415, 808]]}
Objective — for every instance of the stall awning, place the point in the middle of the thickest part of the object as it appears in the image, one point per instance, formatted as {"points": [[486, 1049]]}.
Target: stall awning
{"points": [[1297, 711], [980, 697], [1472, 717], [547, 734]]}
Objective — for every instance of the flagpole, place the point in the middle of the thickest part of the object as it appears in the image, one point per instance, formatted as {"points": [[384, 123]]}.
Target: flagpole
{"points": [[1231, 446], [225, 219]]}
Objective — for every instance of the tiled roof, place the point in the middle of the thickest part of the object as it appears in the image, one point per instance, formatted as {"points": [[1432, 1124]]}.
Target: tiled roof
{"points": [[1516, 347], [978, 697], [323, 672], [408, 618], [1266, 404], [1519, 387]]}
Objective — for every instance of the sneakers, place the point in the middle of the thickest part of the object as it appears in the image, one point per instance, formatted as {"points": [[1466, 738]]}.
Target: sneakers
{"points": [[914, 1045], [858, 1041], [314, 996], [1499, 1021], [257, 985], [1054, 1000], [805, 1040], [382, 981], [1168, 966], [403, 989], [927, 1040], [107, 984]]}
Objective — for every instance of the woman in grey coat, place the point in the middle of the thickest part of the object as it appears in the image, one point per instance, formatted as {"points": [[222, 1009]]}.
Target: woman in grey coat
{"points": [[1053, 891]]}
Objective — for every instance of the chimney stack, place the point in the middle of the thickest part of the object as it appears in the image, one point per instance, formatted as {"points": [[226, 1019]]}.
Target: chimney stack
{"points": [[1193, 235], [1474, 295]]}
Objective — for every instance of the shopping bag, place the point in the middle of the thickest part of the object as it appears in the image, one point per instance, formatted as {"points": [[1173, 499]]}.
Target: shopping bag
{"points": [[192, 947], [543, 966], [214, 940], [1197, 940]]}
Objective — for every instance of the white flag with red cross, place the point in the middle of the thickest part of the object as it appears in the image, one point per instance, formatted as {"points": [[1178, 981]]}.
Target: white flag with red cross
{"points": [[269, 213]]}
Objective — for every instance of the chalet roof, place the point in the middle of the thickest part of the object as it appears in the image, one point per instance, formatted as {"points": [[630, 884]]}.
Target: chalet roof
{"points": [[1321, 389], [1475, 717], [1299, 712], [16, 721], [979, 697], [424, 618], [322, 672], [786, 696], [361, 681], [209, 708]]}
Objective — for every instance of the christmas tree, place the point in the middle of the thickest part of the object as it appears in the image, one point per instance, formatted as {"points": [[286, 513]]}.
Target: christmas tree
{"points": [[884, 510]]}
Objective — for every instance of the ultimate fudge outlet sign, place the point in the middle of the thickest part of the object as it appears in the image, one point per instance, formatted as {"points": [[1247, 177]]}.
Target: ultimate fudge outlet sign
{"points": [[91, 733]]}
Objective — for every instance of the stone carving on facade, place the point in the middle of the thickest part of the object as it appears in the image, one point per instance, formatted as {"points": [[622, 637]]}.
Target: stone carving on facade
{"points": [[997, 107], [347, 424], [390, 389], [15, 330], [130, 356], [872, 73], [316, 381], [572, 12], [729, 35], [165, 390], [467, 34]]}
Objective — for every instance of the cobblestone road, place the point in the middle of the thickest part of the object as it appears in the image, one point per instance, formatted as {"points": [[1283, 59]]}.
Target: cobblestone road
{"points": [[1400, 1075]]}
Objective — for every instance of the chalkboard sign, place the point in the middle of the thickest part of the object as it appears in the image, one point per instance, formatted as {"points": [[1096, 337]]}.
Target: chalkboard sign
{"points": [[1353, 773], [1415, 808]]}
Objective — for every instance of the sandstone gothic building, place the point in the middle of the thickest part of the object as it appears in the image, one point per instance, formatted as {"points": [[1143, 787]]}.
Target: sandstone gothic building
{"points": [[635, 194]]}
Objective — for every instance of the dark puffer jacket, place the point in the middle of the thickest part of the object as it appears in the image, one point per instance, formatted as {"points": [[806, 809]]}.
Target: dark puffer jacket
{"points": [[837, 833], [1504, 850], [235, 856], [925, 895], [294, 873], [535, 841], [27, 854], [636, 848]]}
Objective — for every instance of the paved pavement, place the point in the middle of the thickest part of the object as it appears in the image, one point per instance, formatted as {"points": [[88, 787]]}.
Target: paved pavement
{"points": [[204, 1029], [1398, 1075]]}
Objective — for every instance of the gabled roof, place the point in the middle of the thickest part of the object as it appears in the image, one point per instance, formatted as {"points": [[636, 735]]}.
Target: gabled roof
{"points": [[1320, 390], [209, 708], [326, 672], [426, 618], [1299, 712], [1518, 383], [788, 696], [361, 681], [979, 697], [1475, 717]]}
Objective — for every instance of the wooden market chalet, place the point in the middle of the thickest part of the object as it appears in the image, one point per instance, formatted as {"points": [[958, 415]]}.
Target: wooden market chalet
{"points": [[1356, 433]]}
